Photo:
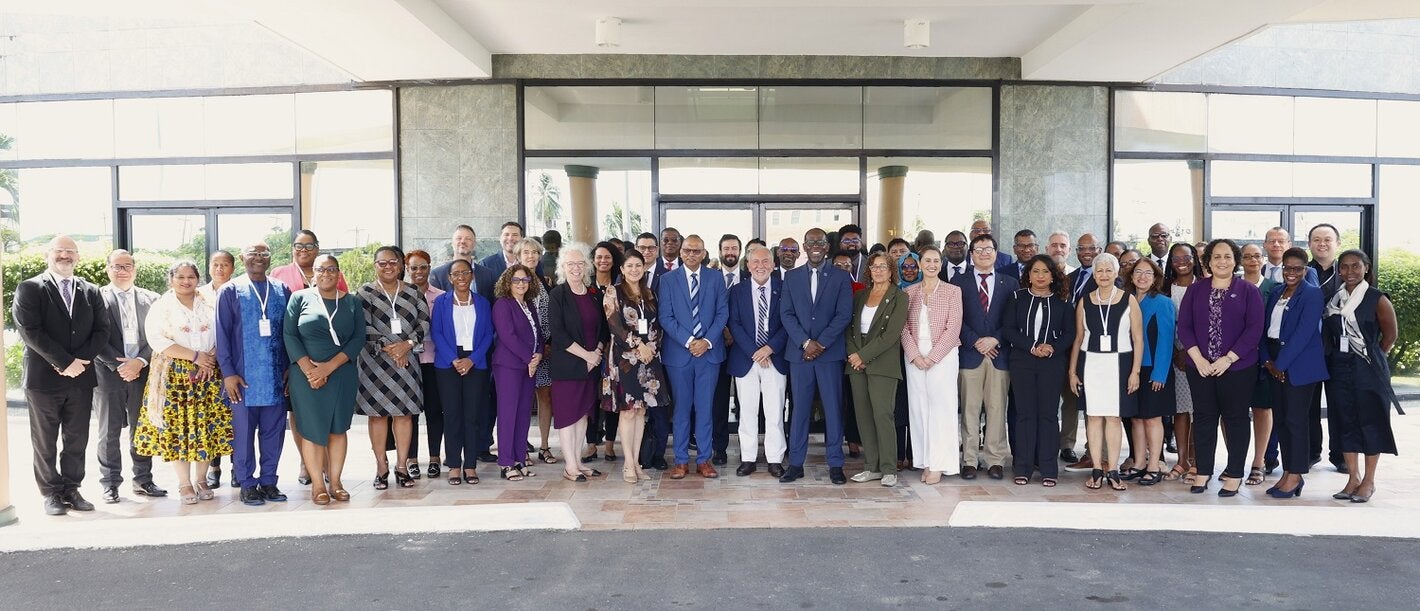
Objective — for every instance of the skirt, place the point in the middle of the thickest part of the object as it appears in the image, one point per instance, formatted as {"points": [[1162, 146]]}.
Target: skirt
{"points": [[1105, 375], [1182, 395], [1155, 404], [572, 400], [197, 423]]}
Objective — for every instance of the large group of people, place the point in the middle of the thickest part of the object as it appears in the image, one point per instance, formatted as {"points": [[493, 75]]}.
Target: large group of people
{"points": [[955, 360]]}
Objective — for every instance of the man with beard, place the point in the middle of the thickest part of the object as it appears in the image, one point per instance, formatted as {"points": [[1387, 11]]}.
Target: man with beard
{"points": [[462, 243], [730, 268], [850, 242], [508, 237], [1058, 247]]}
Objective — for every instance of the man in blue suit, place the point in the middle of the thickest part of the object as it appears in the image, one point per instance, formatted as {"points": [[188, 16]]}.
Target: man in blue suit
{"points": [[816, 309], [984, 374], [694, 310], [756, 360]]}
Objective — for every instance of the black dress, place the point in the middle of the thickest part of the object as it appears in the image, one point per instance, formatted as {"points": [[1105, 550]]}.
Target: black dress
{"points": [[1359, 395], [1104, 370]]}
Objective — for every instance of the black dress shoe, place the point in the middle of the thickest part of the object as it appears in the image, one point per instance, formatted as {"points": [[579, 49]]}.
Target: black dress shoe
{"points": [[745, 468], [111, 494], [790, 474], [1171, 447], [251, 495], [968, 472], [996, 472], [271, 493], [76, 502], [235, 483], [835, 475], [660, 464], [214, 478], [776, 470], [303, 479], [54, 505], [1069, 457], [1269, 465], [1340, 467], [148, 489], [488, 457], [720, 459]]}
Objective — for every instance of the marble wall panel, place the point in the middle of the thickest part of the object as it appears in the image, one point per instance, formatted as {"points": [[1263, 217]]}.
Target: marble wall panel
{"points": [[1054, 159], [753, 67]]}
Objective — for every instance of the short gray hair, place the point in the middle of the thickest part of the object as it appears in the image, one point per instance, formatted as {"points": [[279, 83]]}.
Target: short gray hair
{"points": [[1108, 259]]}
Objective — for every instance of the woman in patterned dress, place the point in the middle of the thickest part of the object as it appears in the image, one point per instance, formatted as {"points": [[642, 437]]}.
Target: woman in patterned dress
{"points": [[530, 254], [391, 383], [637, 381], [1184, 269], [184, 419]]}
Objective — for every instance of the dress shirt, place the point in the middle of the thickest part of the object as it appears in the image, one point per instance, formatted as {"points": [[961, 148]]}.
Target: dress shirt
{"points": [[990, 282]]}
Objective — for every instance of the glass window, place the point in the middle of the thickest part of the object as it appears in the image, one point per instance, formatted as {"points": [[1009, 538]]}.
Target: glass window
{"points": [[711, 223], [1160, 121], [1250, 124], [170, 236], [707, 117], [1331, 180], [819, 175], [1244, 226], [159, 127], [927, 117], [44, 202], [251, 125], [623, 191], [8, 130], [705, 175], [1331, 126], [1398, 131], [588, 117], [200, 182], [237, 230], [349, 203], [344, 121], [1347, 221], [938, 194], [1148, 192], [1398, 216], [64, 130], [1281, 179], [811, 117]]}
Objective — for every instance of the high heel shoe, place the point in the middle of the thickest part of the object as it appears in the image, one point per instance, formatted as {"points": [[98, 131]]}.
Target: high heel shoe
{"points": [[1199, 488], [204, 493], [1224, 491], [641, 474], [1278, 493], [403, 480], [1362, 498], [188, 494], [382, 482], [628, 475]]}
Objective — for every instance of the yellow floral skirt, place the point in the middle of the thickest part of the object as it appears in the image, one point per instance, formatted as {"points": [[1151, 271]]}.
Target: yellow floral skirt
{"points": [[197, 423]]}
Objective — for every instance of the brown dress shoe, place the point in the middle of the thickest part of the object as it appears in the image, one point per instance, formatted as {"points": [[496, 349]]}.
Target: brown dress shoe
{"points": [[996, 472], [706, 471], [679, 471], [968, 472]]}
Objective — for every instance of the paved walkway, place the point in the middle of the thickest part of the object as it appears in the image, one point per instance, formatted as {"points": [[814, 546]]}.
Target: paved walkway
{"points": [[757, 501]]}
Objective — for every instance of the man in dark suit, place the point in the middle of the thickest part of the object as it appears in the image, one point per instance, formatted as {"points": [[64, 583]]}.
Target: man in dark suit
{"points": [[733, 273], [985, 377], [483, 278], [63, 323], [1026, 248], [954, 256], [694, 310], [756, 360], [508, 237], [122, 373], [816, 309], [669, 258]]}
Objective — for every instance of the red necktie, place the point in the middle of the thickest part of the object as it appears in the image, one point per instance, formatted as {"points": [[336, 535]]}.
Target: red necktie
{"points": [[984, 294], [668, 266]]}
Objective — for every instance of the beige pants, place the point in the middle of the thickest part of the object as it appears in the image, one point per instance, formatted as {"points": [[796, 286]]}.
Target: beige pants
{"points": [[985, 386]]}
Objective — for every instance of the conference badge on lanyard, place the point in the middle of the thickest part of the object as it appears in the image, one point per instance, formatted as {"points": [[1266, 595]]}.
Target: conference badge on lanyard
{"points": [[330, 318]]}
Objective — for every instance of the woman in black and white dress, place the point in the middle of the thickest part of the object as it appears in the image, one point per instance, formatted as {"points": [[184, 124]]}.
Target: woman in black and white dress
{"points": [[1104, 367]]}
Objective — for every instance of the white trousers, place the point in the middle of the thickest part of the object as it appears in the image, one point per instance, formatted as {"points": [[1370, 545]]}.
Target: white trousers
{"points": [[932, 416], [768, 384]]}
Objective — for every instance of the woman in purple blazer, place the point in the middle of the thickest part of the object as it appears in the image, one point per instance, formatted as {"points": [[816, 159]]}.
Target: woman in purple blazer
{"points": [[1220, 324], [515, 360]]}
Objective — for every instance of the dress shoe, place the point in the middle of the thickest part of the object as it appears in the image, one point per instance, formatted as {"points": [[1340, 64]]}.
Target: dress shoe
{"points": [[235, 482], [1082, 465], [111, 495], [866, 476], [1269, 465], [996, 472], [679, 471], [488, 457], [1171, 447], [214, 478], [54, 505], [271, 493], [252, 496], [1340, 467], [76, 501], [720, 459], [148, 489], [890, 480], [968, 472], [776, 470], [660, 464], [1069, 456], [835, 475], [706, 471], [791, 473], [745, 468]]}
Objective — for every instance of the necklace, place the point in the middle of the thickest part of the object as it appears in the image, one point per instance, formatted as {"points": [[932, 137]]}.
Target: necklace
{"points": [[458, 302]]}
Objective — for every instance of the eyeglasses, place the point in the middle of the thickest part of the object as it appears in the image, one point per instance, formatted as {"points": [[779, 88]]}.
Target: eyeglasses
{"points": [[692, 251], [520, 280], [1294, 269], [1163, 236], [422, 267], [306, 246], [788, 251], [815, 242], [956, 244], [259, 254], [853, 241], [670, 240], [121, 267], [1025, 246], [1143, 271], [388, 263], [326, 270], [1252, 256], [981, 250], [881, 267], [460, 274]]}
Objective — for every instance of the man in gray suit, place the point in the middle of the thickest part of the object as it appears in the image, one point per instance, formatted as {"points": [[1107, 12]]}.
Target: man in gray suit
{"points": [[123, 372]]}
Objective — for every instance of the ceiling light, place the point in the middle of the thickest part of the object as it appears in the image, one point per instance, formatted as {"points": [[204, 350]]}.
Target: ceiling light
{"points": [[609, 32], [916, 33]]}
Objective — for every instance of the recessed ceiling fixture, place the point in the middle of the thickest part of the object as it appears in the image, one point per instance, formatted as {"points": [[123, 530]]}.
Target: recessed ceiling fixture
{"points": [[609, 32], [916, 33]]}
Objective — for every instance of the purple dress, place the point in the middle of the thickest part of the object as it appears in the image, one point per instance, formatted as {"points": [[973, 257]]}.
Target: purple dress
{"points": [[573, 400]]}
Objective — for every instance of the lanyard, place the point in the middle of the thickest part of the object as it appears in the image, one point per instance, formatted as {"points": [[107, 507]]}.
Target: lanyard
{"points": [[396, 325], [262, 299], [330, 316], [1104, 312]]}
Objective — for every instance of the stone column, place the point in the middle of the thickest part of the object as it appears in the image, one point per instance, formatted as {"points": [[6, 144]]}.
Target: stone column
{"points": [[1195, 172], [891, 179], [582, 182], [7, 511]]}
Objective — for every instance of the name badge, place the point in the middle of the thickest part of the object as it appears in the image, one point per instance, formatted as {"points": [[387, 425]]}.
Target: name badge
{"points": [[396, 326], [334, 338], [1345, 344], [130, 336], [263, 327], [1106, 343], [642, 327]]}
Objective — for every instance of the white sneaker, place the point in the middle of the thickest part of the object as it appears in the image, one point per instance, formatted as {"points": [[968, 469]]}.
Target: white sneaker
{"points": [[866, 476], [890, 480]]}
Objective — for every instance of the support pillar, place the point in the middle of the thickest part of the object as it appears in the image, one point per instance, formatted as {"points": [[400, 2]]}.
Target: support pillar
{"points": [[7, 510], [1195, 174], [891, 179], [582, 182]]}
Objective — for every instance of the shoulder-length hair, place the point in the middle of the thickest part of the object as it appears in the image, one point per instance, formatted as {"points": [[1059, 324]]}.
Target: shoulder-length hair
{"points": [[588, 279], [1157, 287], [879, 255], [1059, 284], [504, 286]]}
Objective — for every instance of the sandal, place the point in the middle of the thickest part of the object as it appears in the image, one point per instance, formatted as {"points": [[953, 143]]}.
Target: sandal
{"points": [[1131, 474], [525, 470], [1255, 477], [470, 479], [578, 478], [454, 478], [1115, 482], [203, 492], [545, 454], [1176, 473], [589, 472], [188, 494], [511, 474], [404, 480], [382, 482], [413, 469], [591, 457], [1048, 482], [1151, 477], [1022, 480], [1096, 479]]}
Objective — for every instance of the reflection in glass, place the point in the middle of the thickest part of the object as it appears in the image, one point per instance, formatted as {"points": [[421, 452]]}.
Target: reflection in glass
{"points": [[344, 121], [64, 130], [1347, 221], [1148, 192], [710, 224], [1160, 121], [790, 221], [588, 117], [251, 125], [1334, 126], [707, 118], [350, 203], [85, 197], [938, 194], [159, 127], [1250, 124], [623, 190], [927, 117], [811, 117]]}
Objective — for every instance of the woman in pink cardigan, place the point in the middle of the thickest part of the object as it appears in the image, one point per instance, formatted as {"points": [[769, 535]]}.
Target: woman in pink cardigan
{"points": [[929, 345]]}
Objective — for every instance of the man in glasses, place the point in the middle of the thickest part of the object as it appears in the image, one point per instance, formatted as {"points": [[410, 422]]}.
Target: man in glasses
{"points": [[788, 257], [669, 258], [982, 227], [462, 245], [1081, 282], [252, 355], [850, 242], [985, 376], [63, 323], [954, 249], [1026, 248], [694, 310], [1159, 237], [299, 274], [123, 372]]}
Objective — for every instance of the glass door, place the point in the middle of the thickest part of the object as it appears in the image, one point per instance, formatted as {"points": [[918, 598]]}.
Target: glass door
{"points": [[169, 234], [194, 232], [1249, 223], [771, 221]]}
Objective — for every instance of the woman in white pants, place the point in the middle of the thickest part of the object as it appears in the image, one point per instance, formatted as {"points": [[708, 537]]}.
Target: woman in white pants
{"points": [[929, 343]]}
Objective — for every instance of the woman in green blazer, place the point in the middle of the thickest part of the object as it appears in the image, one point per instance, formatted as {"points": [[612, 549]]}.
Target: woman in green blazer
{"points": [[874, 368]]}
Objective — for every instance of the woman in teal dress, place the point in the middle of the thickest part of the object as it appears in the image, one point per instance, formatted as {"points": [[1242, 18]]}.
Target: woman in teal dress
{"points": [[324, 332]]}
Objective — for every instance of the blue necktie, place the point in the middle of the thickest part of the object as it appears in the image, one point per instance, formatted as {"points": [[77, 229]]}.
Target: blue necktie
{"points": [[761, 330], [695, 303]]}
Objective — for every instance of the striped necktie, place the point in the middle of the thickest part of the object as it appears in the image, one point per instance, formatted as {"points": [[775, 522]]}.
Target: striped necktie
{"points": [[761, 326], [695, 303], [984, 294]]}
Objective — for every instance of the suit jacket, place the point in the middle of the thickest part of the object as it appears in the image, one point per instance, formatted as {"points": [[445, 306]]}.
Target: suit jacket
{"points": [[565, 328], [483, 280], [53, 338], [673, 297], [112, 350], [446, 343], [518, 341], [977, 324], [881, 346], [1020, 334], [944, 325], [1013, 270], [742, 323], [1003, 260], [1300, 354], [824, 320], [656, 269], [945, 274]]}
